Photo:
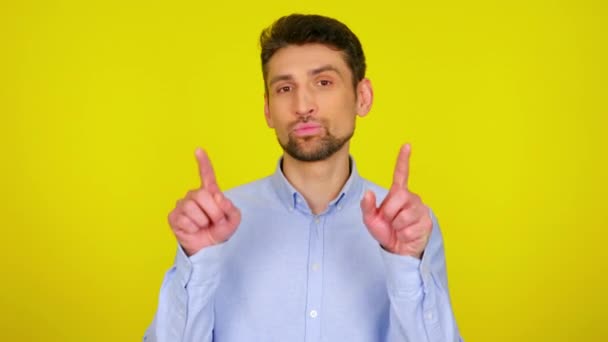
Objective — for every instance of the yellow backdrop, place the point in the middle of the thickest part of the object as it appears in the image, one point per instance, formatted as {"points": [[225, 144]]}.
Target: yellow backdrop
{"points": [[102, 104]]}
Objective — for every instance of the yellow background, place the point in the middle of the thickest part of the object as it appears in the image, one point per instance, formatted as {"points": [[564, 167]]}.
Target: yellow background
{"points": [[103, 103]]}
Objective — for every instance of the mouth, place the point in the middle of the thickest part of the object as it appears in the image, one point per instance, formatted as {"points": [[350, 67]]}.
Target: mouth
{"points": [[306, 129]]}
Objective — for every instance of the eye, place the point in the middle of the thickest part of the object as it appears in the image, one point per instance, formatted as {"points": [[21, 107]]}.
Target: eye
{"points": [[283, 89], [324, 83]]}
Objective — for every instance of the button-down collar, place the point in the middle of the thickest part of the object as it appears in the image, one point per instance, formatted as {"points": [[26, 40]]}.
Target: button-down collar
{"points": [[294, 200]]}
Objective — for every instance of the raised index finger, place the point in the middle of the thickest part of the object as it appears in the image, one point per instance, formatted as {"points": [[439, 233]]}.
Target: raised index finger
{"points": [[402, 168], [205, 171]]}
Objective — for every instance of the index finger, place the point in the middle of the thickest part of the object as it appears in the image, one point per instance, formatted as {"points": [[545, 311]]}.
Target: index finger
{"points": [[402, 168], [205, 171]]}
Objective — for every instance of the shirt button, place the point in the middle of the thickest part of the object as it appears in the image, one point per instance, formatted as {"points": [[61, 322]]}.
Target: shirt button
{"points": [[339, 207], [429, 316], [313, 313], [315, 267], [317, 220]]}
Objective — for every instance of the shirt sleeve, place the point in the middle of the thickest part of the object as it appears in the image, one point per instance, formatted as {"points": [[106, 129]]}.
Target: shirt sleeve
{"points": [[420, 309], [185, 307]]}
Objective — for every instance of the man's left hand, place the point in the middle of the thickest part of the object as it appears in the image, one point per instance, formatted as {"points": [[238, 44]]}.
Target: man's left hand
{"points": [[402, 224]]}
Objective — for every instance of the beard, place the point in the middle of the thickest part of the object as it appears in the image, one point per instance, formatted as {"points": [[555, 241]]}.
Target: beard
{"points": [[323, 146]]}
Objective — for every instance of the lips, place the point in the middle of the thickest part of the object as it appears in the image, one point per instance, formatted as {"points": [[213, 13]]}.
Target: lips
{"points": [[305, 129]]}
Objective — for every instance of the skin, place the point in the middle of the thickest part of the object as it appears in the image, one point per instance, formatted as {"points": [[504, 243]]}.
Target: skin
{"points": [[310, 84]]}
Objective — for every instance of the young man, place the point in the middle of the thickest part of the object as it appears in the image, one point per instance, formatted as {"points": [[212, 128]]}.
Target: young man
{"points": [[313, 252]]}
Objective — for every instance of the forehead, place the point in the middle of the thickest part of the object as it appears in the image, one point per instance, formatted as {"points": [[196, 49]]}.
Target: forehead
{"points": [[296, 59]]}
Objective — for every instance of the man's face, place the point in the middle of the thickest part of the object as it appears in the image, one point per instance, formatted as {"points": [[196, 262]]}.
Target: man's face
{"points": [[311, 102]]}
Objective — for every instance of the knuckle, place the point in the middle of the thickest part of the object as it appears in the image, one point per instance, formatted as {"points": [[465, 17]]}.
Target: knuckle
{"points": [[402, 193], [200, 194], [185, 224], [409, 234], [170, 217], [180, 222], [203, 221], [189, 206], [397, 195], [403, 218], [386, 215], [400, 221], [216, 216], [193, 195]]}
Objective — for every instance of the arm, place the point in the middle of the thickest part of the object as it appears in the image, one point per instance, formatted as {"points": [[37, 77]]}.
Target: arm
{"points": [[420, 307], [201, 222], [185, 308], [409, 234]]}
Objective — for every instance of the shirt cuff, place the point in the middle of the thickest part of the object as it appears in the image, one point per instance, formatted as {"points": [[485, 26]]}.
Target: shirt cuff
{"points": [[201, 267], [403, 275]]}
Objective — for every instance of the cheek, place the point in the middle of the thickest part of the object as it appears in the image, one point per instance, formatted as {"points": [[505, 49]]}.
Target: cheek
{"points": [[342, 100], [280, 101], [275, 110], [280, 107], [342, 113]]}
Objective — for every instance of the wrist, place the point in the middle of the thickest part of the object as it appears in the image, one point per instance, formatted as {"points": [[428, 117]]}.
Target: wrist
{"points": [[399, 249]]}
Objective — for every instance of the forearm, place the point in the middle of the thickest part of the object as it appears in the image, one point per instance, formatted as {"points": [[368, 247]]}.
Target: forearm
{"points": [[420, 310], [185, 309]]}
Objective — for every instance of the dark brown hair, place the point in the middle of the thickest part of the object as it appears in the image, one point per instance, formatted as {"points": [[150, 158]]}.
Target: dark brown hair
{"points": [[300, 29]]}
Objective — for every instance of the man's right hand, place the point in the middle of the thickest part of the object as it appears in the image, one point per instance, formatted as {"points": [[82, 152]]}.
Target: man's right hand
{"points": [[205, 217]]}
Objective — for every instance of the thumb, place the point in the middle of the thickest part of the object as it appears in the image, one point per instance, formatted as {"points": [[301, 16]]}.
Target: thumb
{"points": [[368, 204]]}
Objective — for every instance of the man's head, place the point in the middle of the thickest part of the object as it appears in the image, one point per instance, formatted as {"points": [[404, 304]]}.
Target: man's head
{"points": [[300, 29], [314, 76]]}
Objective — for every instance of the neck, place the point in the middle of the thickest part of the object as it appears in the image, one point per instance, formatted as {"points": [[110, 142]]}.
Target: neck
{"points": [[321, 181]]}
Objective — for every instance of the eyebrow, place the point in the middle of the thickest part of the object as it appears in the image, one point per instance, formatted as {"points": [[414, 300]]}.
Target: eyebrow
{"points": [[312, 72], [324, 68]]}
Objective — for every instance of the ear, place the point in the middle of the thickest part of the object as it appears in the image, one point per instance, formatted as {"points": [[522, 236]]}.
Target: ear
{"points": [[267, 112], [365, 97]]}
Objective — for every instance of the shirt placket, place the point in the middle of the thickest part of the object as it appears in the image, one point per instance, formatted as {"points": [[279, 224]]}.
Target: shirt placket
{"points": [[314, 312]]}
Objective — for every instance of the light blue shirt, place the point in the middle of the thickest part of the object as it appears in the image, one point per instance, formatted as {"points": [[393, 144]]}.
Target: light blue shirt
{"points": [[288, 275]]}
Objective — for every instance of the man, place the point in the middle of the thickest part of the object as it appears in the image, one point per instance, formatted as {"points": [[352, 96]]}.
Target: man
{"points": [[313, 252]]}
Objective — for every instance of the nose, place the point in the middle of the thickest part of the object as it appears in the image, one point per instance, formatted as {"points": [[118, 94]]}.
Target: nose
{"points": [[304, 103]]}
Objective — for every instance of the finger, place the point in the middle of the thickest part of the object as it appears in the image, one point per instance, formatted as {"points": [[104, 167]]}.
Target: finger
{"points": [[402, 167], [396, 200], [368, 204], [415, 211], [205, 170], [405, 218], [422, 225], [415, 232], [184, 224], [208, 205], [233, 214], [194, 213]]}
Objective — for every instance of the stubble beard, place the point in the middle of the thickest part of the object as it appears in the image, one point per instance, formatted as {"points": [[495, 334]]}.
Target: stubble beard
{"points": [[326, 146]]}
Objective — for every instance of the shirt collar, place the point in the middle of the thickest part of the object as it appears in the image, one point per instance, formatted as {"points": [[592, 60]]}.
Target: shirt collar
{"points": [[292, 198]]}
